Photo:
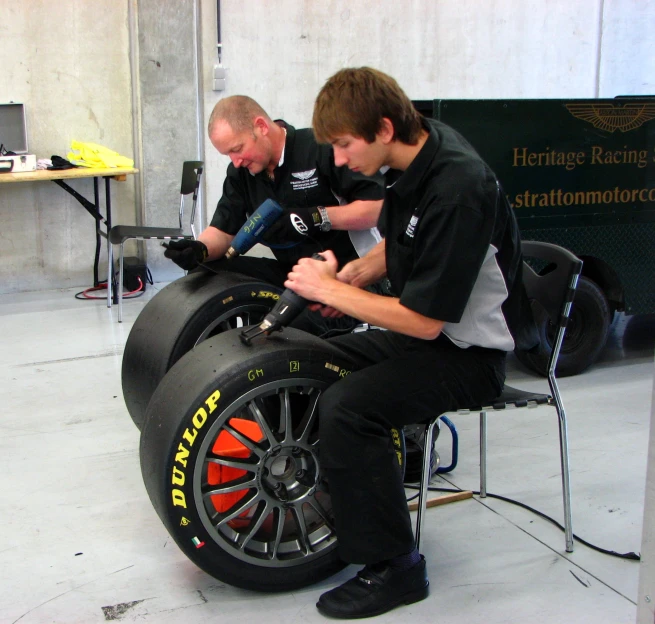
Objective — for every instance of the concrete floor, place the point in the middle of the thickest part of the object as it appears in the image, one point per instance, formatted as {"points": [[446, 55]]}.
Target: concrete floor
{"points": [[81, 542]]}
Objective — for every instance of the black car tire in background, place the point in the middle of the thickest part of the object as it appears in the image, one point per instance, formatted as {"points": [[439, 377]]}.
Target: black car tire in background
{"points": [[585, 337]]}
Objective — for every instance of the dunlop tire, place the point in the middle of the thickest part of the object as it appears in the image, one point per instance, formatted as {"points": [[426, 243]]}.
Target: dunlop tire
{"points": [[176, 319], [223, 364]]}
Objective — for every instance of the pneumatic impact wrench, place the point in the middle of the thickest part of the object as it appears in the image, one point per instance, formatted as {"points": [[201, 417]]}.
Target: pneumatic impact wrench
{"points": [[287, 308]]}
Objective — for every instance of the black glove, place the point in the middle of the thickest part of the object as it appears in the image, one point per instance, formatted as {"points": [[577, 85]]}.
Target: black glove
{"points": [[295, 226], [187, 254]]}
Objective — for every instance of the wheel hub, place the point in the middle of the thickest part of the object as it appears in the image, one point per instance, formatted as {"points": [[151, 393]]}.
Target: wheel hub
{"points": [[289, 473]]}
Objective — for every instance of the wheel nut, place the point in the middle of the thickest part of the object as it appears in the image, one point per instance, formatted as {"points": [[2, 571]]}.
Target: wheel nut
{"points": [[300, 474], [295, 451]]}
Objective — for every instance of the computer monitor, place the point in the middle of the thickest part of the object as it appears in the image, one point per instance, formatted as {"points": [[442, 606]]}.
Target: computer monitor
{"points": [[13, 134]]}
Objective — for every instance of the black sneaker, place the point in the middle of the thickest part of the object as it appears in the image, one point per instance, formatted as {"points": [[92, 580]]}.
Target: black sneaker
{"points": [[376, 589]]}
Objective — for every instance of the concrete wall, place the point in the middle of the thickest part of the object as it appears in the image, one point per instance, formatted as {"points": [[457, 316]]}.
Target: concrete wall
{"points": [[68, 62], [168, 61], [72, 70]]}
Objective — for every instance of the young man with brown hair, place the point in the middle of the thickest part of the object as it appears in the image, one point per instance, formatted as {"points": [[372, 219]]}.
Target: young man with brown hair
{"points": [[452, 253]]}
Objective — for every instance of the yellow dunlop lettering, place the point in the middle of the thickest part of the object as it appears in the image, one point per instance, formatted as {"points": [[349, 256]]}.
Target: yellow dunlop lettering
{"points": [[181, 456], [190, 437], [343, 372], [228, 299], [177, 478], [332, 367], [211, 403], [179, 500], [199, 418]]}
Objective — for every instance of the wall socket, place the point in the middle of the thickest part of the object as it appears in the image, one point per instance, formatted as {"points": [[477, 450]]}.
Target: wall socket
{"points": [[219, 78]]}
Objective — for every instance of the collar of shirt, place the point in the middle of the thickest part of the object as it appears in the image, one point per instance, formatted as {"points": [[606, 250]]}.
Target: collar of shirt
{"points": [[284, 147], [407, 182]]}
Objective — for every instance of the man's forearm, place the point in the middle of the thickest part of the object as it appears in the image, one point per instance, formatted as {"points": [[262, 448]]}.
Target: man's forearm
{"points": [[381, 311], [358, 215], [216, 241]]}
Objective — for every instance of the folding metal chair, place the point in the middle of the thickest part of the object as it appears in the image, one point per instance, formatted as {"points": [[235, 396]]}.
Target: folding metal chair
{"points": [[191, 173], [552, 288]]}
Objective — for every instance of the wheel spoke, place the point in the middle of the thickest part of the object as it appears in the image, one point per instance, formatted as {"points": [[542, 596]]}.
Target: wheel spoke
{"points": [[232, 486], [236, 511], [311, 417], [246, 441], [232, 463], [258, 518], [261, 421], [320, 510], [286, 427], [279, 528], [299, 517]]}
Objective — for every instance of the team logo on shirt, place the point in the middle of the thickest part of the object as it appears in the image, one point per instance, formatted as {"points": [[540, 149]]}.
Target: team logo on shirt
{"points": [[304, 180], [298, 224], [412, 226], [304, 175]]}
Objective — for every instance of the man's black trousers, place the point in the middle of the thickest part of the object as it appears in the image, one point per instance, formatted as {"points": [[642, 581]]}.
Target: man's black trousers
{"points": [[396, 381]]}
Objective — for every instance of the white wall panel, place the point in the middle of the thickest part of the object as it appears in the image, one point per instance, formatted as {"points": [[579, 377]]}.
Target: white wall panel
{"points": [[281, 51]]}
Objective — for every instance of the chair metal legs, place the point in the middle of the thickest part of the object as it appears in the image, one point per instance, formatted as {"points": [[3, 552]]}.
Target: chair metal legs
{"points": [[566, 485], [110, 267], [120, 286], [564, 460], [425, 480], [483, 454]]}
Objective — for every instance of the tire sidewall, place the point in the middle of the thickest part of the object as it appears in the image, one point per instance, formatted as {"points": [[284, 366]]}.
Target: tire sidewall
{"points": [[172, 324]]}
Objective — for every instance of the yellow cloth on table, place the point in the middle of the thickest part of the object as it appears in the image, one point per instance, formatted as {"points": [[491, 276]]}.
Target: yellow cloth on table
{"points": [[98, 156]]}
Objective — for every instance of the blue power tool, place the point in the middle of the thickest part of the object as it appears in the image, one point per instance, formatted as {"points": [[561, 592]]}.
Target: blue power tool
{"points": [[254, 229], [287, 308]]}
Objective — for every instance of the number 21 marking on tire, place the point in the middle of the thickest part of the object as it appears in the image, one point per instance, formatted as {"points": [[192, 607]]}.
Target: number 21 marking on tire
{"points": [[294, 366]]}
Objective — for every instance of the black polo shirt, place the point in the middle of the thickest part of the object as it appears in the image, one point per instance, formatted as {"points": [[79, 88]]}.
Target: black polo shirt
{"points": [[307, 177], [452, 244]]}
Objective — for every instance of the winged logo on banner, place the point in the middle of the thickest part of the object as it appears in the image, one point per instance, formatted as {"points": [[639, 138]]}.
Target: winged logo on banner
{"points": [[611, 117]]}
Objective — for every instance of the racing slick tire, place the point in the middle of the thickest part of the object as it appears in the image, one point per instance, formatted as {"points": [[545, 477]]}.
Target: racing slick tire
{"points": [[184, 314], [230, 459]]}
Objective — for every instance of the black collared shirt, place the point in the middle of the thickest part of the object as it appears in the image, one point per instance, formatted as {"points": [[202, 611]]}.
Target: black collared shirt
{"points": [[452, 244], [307, 177]]}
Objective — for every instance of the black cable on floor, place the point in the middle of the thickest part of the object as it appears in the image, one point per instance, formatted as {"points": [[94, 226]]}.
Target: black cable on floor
{"points": [[631, 555]]}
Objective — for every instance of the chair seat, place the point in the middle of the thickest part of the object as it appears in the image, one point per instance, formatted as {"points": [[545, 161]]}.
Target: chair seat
{"points": [[511, 397], [120, 233]]}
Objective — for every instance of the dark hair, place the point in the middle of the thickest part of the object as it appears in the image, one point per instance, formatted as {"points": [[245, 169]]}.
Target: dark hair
{"points": [[355, 100]]}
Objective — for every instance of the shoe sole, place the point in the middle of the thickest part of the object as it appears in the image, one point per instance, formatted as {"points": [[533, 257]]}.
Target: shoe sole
{"points": [[416, 596]]}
